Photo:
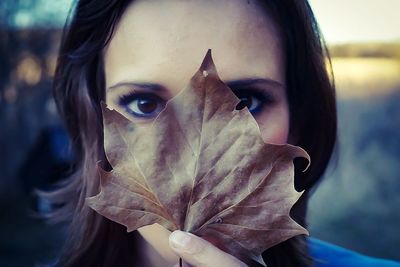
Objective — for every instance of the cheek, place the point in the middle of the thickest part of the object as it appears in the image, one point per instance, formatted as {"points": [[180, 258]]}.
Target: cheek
{"points": [[274, 125]]}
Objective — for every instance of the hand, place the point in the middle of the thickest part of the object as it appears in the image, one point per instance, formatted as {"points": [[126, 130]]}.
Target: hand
{"points": [[199, 252]]}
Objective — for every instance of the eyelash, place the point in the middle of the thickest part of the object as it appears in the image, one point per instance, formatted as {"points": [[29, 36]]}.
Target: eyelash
{"points": [[264, 98], [126, 100]]}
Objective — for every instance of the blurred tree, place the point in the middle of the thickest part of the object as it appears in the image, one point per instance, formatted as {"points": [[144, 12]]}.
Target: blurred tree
{"points": [[29, 37], [30, 31], [34, 13]]}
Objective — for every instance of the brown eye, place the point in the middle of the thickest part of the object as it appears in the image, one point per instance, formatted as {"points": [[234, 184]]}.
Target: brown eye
{"points": [[248, 99], [142, 105], [146, 105]]}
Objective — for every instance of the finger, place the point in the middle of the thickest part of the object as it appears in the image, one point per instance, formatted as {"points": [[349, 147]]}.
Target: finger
{"points": [[199, 252]]}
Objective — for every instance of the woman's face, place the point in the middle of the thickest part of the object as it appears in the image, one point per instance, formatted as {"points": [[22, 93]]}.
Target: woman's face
{"points": [[159, 45]]}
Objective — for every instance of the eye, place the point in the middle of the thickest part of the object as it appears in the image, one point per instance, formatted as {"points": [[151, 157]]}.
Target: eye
{"points": [[144, 105], [254, 100]]}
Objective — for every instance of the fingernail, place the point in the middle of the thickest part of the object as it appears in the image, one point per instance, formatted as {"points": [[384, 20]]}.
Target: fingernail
{"points": [[182, 241]]}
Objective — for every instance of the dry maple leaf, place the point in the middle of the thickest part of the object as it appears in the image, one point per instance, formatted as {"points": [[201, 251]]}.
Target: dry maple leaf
{"points": [[201, 166]]}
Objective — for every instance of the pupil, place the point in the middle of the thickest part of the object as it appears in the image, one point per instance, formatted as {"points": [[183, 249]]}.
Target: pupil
{"points": [[244, 102], [147, 106]]}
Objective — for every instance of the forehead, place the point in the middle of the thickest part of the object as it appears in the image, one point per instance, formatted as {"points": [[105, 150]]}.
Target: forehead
{"points": [[160, 39]]}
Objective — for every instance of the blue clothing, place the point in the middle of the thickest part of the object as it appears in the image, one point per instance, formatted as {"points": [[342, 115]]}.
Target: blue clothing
{"points": [[329, 255]]}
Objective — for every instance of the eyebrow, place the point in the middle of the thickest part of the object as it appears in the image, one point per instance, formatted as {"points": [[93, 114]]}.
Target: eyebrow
{"points": [[143, 85], [252, 81], [232, 83]]}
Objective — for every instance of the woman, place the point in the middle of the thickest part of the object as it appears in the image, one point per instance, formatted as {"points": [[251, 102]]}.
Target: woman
{"points": [[136, 55]]}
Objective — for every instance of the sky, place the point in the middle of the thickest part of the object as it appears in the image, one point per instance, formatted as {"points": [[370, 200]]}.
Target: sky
{"points": [[343, 21]]}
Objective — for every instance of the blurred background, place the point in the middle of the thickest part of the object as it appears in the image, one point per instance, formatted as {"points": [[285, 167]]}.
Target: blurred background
{"points": [[356, 205]]}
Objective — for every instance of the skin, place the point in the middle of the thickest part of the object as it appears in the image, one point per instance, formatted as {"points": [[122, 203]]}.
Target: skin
{"points": [[163, 42]]}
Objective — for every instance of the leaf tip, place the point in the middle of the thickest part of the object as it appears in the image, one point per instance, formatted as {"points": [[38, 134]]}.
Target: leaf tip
{"points": [[113, 117], [103, 105], [207, 66], [305, 155], [299, 152], [106, 111], [260, 260], [300, 229]]}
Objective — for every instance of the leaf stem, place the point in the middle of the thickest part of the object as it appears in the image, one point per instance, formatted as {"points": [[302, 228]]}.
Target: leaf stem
{"points": [[180, 262]]}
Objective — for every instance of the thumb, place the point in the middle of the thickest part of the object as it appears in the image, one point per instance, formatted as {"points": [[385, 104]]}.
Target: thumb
{"points": [[199, 252]]}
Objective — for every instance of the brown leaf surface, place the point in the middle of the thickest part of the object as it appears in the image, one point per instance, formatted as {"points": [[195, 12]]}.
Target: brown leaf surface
{"points": [[201, 167]]}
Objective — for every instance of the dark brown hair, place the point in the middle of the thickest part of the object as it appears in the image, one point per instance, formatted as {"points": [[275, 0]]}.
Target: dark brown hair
{"points": [[79, 86]]}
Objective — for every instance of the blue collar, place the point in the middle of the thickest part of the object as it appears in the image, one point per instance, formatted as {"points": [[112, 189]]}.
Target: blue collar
{"points": [[329, 255]]}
